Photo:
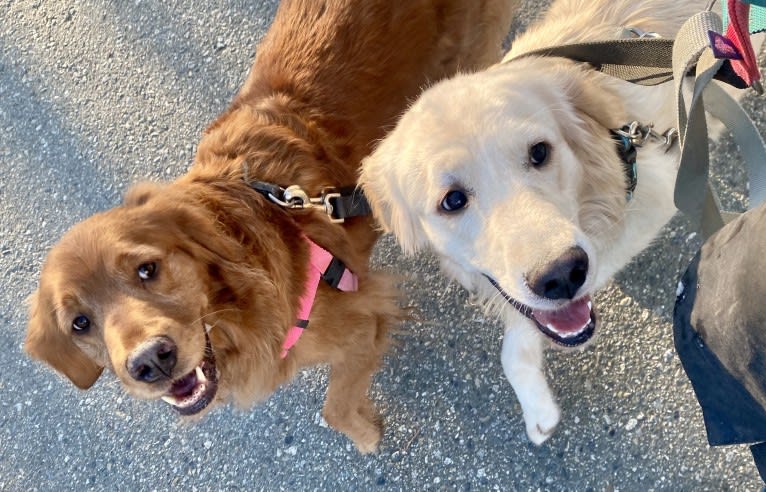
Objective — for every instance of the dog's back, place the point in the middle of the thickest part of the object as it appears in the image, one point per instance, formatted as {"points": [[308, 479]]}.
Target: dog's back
{"points": [[387, 51]]}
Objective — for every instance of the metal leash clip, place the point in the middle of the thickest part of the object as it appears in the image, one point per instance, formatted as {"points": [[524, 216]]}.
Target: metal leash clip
{"points": [[294, 197], [638, 134]]}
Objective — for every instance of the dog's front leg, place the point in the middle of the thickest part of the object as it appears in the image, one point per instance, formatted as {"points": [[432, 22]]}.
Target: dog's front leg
{"points": [[522, 359]]}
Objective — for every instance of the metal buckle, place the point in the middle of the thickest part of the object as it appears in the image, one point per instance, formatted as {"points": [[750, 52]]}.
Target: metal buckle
{"points": [[329, 208], [641, 34], [294, 197]]}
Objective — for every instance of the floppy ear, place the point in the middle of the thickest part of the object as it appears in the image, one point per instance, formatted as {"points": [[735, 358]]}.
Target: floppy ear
{"points": [[46, 342], [592, 99], [598, 109], [140, 193], [382, 182]]}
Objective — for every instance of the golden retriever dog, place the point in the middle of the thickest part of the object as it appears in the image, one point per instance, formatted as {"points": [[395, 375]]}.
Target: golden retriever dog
{"points": [[194, 291], [520, 179]]}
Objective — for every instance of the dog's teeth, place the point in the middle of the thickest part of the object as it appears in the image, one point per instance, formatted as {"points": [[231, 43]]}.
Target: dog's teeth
{"points": [[170, 399], [551, 327], [200, 375], [208, 327]]}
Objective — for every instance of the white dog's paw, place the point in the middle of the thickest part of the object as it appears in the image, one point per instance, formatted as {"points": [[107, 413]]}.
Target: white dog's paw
{"points": [[542, 423]]}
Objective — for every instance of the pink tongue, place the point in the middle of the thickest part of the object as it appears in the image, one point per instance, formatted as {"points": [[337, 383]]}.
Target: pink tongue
{"points": [[570, 319], [184, 386]]}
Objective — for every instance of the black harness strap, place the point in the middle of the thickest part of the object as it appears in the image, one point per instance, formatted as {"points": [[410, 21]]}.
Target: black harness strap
{"points": [[339, 204], [349, 202], [334, 272]]}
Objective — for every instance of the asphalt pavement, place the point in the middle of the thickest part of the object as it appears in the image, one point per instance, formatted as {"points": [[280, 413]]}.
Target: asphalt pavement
{"points": [[96, 95]]}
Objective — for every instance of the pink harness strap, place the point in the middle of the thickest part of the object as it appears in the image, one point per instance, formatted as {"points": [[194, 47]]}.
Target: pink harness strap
{"points": [[320, 261], [738, 33]]}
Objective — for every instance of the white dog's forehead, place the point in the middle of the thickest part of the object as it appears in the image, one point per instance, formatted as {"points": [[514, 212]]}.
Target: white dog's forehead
{"points": [[472, 109], [474, 127]]}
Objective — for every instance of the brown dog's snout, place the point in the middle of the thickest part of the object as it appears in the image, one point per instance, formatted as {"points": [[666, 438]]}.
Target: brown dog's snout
{"points": [[561, 278], [153, 360]]}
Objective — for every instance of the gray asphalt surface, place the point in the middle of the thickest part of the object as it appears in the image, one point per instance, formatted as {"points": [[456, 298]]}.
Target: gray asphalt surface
{"points": [[96, 95]]}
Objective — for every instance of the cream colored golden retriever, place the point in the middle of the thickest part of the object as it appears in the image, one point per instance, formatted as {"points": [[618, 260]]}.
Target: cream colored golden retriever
{"points": [[518, 178], [196, 291]]}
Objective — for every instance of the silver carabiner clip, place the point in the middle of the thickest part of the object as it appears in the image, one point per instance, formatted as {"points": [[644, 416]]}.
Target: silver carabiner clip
{"points": [[295, 197]]}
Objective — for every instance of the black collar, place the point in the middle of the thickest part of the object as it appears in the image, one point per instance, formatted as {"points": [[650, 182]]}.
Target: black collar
{"points": [[338, 203], [627, 151]]}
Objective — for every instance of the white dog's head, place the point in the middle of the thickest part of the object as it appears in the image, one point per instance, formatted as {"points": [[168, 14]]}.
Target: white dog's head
{"points": [[513, 180]]}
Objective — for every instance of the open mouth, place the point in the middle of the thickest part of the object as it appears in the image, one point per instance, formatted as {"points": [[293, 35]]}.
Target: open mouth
{"points": [[193, 392], [569, 326]]}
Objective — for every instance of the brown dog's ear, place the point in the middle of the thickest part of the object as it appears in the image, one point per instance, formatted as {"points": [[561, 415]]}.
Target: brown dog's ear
{"points": [[140, 193], [46, 342]]}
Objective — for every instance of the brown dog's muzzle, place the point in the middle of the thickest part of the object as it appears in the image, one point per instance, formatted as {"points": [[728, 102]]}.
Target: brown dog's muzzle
{"points": [[153, 360]]}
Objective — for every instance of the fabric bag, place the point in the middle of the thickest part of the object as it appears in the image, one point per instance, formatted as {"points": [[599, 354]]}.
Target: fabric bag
{"points": [[720, 333]]}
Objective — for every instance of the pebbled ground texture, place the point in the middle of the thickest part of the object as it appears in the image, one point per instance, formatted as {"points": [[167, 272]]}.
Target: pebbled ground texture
{"points": [[96, 95]]}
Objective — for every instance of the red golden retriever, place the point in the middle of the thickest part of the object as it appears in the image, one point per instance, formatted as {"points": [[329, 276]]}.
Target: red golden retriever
{"points": [[196, 291]]}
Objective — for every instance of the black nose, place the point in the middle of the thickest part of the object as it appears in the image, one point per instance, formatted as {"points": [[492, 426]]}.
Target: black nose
{"points": [[153, 360], [561, 278]]}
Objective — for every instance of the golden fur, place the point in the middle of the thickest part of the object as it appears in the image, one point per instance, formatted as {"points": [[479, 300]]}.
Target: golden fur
{"points": [[328, 79]]}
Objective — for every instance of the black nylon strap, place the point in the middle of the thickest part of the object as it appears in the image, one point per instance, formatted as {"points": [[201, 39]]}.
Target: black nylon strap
{"points": [[350, 203], [334, 272], [267, 189]]}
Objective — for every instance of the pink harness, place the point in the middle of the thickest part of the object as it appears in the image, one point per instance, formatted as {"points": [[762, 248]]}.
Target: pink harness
{"points": [[322, 266]]}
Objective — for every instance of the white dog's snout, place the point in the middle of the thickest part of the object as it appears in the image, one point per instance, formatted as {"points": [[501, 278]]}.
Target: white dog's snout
{"points": [[562, 277]]}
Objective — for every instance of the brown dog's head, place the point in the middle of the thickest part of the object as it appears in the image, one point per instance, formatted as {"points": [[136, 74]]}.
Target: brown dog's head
{"points": [[129, 289]]}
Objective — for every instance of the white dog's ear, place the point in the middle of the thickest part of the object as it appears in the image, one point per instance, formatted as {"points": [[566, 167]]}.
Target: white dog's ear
{"points": [[597, 110], [586, 92], [392, 207]]}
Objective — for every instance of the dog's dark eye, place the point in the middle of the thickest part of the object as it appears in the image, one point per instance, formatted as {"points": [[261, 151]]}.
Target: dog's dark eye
{"points": [[454, 201], [147, 270], [81, 324], [538, 154]]}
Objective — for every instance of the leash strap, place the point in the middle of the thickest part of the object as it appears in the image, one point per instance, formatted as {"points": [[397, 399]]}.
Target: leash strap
{"points": [[694, 194], [644, 61], [322, 266]]}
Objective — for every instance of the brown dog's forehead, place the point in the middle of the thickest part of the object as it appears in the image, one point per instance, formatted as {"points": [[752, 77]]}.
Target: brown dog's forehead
{"points": [[89, 256]]}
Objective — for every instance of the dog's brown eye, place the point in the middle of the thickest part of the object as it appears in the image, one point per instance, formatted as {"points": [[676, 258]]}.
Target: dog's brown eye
{"points": [[147, 270], [81, 324], [454, 201], [538, 154]]}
